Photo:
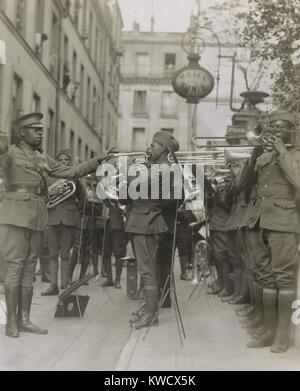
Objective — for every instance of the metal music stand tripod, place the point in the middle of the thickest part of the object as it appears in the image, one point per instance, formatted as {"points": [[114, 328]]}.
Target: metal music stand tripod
{"points": [[171, 281]]}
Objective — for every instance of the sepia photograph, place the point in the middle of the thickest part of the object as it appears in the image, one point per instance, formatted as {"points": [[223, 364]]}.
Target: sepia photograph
{"points": [[149, 188]]}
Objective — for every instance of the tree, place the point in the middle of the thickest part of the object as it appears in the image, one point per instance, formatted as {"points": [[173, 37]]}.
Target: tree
{"points": [[272, 32]]}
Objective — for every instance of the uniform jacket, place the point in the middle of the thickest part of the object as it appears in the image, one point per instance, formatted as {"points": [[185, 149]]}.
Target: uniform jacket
{"points": [[116, 219], [220, 212], [278, 180], [146, 214], [26, 167]]}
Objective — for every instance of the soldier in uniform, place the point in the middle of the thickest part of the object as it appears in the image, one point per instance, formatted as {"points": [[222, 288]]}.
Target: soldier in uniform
{"points": [[146, 224], [235, 237], [23, 216], [276, 224], [219, 241], [115, 243], [62, 220]]}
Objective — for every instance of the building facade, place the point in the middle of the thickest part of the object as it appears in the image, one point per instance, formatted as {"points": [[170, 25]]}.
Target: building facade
{"points": [[63, 59], [148, 102]]}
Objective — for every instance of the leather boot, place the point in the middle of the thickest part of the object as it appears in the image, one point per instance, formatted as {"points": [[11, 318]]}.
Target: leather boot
{"points": [[72, 264], [12, 298], [227, 284], [25, 325], [237, 280], [270, 299], [150, 315], [118, 273], [184, 262], [53, 288], [136, 315], [108, 269], [64, 273], [44, 262], [282, 336], [243, 296], [256, 318], [245, 311]]}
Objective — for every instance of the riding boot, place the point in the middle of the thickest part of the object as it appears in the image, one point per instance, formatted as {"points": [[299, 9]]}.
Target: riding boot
{"points": [[44, 262], [95, 264], [108, 269], [227, 284], [64, 273], [72, 264], [25, 325], [237, 280], [150, 315], [118, 273], [270, 299], [53, 288], [243, 297], [184, 262], [257, 316], [12, 298], [249, 308], [282, 336]]}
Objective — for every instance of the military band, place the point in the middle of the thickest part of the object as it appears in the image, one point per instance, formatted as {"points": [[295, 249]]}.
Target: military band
{"points": [[252, 219]]}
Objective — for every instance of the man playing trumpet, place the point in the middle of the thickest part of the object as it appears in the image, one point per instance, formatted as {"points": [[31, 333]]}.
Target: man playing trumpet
{"points": [[275, 221]]}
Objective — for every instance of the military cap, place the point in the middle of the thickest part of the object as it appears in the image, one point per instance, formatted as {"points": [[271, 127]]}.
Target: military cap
{"points": [[167, 140], [31, 120], [281, 115]]}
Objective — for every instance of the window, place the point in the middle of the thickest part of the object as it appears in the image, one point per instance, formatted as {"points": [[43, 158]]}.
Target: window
{"points": [[94, 107], [96, 44], [88, 98], [79, 149], [90, 37], [36, 103], [72, 142], [39, 16], [142, 64], [168, 104], [139, 102], [17, 95], [138, 139], [20, 15], [51, 134], [86, 153], [54, 45], [81, 87], [170, 61], [62, 135]]}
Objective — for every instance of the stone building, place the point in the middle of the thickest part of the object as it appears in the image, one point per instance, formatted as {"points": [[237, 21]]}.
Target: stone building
{"points": [[148, 102], [63, 59]]}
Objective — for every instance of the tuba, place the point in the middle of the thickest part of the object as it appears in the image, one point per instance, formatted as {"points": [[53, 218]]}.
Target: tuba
{"points": [[60, 191]]}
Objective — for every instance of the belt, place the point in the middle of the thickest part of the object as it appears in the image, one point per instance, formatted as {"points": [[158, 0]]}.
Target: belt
{"points": [[38, 190]]}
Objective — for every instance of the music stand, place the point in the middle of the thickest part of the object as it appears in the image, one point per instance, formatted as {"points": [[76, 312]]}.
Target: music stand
{"points": [[171, 281]]}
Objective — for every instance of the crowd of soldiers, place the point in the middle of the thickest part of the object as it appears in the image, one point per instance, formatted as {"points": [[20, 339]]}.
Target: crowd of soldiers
{"points": [[254, 227], [253, 224]]}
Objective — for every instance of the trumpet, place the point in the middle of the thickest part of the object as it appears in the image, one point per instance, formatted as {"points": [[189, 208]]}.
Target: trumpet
{"points": [[60, 191]]}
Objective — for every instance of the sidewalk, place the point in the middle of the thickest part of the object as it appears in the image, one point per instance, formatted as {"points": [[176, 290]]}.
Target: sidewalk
{"points": [[214, 341], [91, 344]]}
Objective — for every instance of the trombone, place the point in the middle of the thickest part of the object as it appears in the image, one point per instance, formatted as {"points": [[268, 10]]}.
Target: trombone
{"points": [[138, 157]]}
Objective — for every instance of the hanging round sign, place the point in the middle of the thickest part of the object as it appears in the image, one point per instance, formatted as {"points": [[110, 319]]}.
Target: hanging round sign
{"points": [[193, 82]]}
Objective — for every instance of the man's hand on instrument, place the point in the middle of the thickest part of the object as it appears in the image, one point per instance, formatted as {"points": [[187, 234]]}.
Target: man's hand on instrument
{"points": [[277, 144]]}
